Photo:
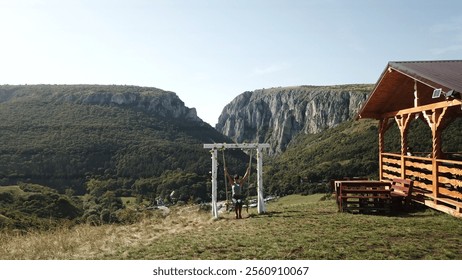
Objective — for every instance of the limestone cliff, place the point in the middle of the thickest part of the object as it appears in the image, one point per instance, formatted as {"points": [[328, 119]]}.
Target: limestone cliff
{"points": [[156, 101], [276, 115]]}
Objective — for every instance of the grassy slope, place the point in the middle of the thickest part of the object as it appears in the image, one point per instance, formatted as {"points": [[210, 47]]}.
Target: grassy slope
{"points": [[295, 227]]}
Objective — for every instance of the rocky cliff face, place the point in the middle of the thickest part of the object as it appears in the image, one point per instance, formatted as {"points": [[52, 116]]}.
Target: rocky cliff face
{"points": [[162, 103], [156, 101], [276, 115]]}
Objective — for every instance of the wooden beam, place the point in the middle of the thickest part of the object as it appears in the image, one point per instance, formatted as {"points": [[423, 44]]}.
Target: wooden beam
{"points": [[236, 146], [419, 109], [369, 115]]}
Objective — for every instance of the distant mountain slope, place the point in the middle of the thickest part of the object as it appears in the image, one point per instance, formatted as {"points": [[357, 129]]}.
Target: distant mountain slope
{"points": [[62, 135], [311, 160], [277, 115], [153, 100], [348, 150]]}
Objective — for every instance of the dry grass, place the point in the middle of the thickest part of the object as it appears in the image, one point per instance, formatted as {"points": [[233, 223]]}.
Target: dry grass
{"points": [[107, 241], [295, 227]]}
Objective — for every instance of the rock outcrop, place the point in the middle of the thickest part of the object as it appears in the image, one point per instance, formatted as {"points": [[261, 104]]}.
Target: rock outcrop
{"points": [[162, 103], [277, 115]]}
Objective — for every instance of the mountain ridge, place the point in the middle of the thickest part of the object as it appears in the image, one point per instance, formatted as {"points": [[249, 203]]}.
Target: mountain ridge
{"points": [[64, 135], [158, 101], [277, 115]]}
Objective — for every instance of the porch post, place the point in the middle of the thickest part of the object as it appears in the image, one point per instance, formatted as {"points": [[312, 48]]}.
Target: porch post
{"points": [[383, 127], [436, 123], [436, 154], [403, 124]]}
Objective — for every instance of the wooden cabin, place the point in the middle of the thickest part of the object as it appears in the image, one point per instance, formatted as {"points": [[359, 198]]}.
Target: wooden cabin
{"points": [[428, 91]]}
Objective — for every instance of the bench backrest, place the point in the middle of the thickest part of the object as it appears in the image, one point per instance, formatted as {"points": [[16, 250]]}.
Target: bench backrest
{"points": [[403, 186], [347, 188]]}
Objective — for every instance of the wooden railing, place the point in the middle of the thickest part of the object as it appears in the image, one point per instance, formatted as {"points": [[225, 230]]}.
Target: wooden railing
{"points": [[445, 194]]}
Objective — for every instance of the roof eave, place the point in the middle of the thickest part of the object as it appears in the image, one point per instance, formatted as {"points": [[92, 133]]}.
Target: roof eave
{"points": [[361, 114]]}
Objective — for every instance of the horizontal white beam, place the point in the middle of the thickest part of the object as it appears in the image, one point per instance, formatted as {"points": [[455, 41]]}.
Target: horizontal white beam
{"points": [[236, 146]]}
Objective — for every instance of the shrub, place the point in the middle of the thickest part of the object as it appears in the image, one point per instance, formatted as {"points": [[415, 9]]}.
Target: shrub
{"points": [[205, 207], [93, 220]]}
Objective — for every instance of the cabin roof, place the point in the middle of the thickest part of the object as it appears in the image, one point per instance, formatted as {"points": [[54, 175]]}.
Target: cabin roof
{"points": [[394, 90]]}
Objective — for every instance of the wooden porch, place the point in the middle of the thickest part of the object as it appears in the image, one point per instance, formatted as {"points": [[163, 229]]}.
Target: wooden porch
{"points": [[427, 91]]}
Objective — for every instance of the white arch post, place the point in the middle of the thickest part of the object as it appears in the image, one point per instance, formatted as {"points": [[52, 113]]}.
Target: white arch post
{"points": [[214, 183], [214, 151]]}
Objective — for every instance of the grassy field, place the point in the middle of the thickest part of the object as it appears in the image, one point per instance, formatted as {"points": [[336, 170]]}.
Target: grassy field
{"points": [[294, 227]]}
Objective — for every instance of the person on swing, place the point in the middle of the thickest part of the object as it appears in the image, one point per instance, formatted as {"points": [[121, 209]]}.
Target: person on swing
{"points": [[237, 193]]}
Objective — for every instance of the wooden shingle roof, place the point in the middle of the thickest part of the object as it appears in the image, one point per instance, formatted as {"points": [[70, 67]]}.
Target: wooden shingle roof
{"points": [[395, 88]]}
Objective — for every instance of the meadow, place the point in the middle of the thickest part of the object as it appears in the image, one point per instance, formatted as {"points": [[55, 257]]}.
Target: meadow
{"points": [[294, 227]]}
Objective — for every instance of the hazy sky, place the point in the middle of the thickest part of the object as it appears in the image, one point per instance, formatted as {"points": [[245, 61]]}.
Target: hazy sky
{"points": [[210, 51]]}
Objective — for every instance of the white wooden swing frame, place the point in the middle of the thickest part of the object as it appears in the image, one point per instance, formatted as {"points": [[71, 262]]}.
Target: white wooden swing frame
{"points": [[214, 151]]}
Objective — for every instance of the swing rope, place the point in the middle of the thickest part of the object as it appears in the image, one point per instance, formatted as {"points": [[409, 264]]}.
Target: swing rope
{"points": [[248, 182], [250, 170], [226, 179]]}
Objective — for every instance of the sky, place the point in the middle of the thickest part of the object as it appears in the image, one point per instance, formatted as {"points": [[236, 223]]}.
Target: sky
{"points": [[210, 51]]}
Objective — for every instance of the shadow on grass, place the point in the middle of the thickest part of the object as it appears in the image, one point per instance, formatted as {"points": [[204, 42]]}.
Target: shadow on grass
{"points": [[413, 211], [265, 215], [282, 214]]}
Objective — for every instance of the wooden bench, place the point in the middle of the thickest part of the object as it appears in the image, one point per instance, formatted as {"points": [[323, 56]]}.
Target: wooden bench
{"points": [[334, 185], [363, 196], [401, 192]]}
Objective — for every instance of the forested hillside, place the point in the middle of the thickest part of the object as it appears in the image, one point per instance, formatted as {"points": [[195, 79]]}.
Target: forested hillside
{"points": [[48, 137], [111, 141], [348, 150]]}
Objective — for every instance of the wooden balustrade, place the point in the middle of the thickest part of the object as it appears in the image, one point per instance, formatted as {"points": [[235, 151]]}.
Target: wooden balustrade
{"points": [[444, 195]]}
